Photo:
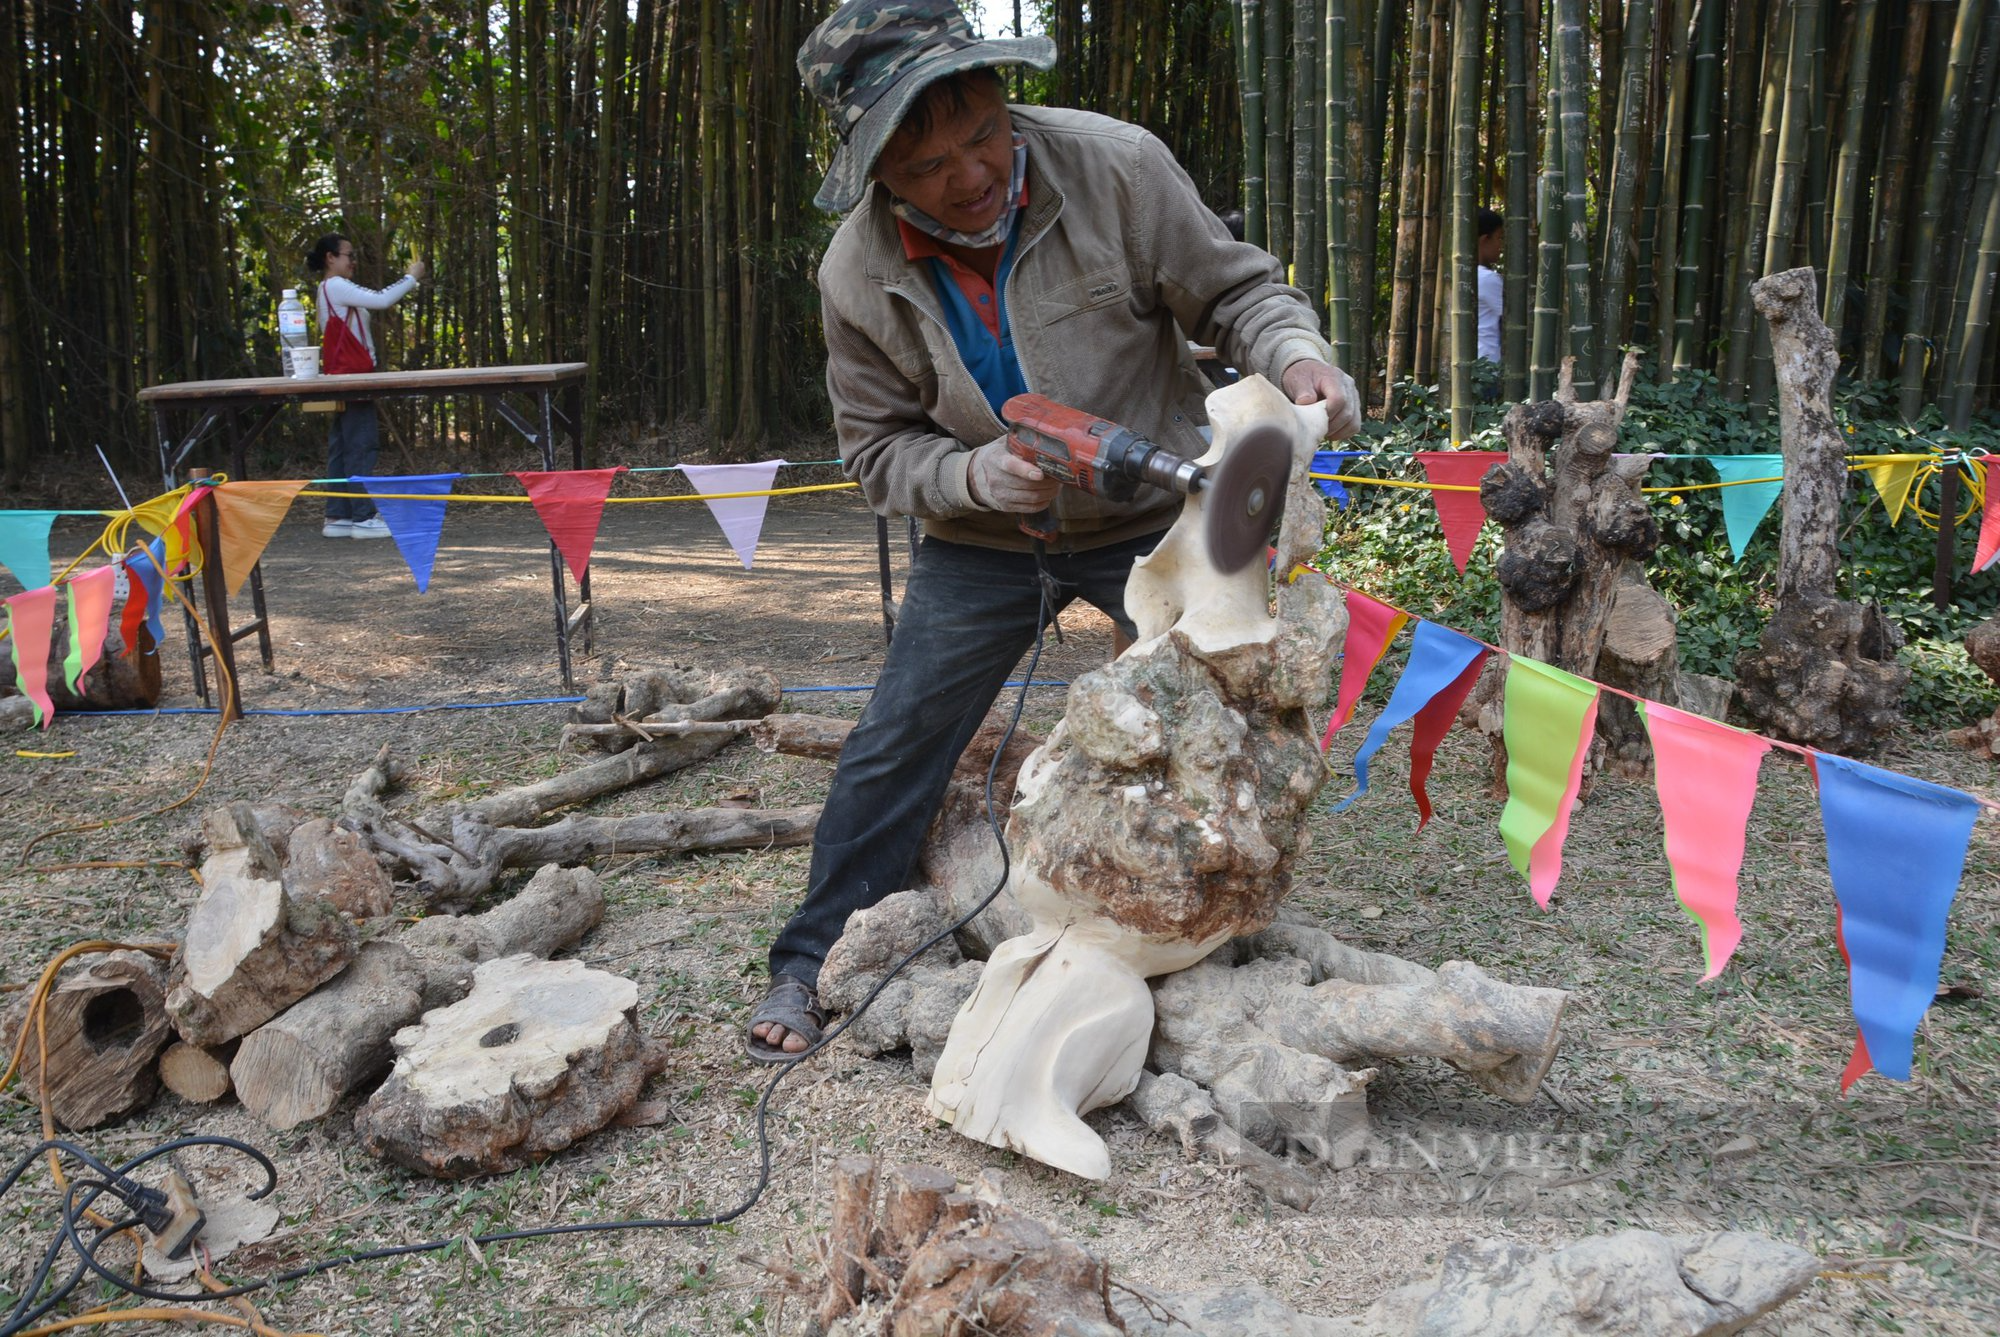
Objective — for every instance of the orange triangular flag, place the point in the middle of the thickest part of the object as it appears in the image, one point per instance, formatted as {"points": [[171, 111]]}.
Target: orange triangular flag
{"points": [[247, 514]]}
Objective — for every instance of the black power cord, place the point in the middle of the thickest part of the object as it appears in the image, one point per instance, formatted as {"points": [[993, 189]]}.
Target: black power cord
{"points": [[148, 1204]]}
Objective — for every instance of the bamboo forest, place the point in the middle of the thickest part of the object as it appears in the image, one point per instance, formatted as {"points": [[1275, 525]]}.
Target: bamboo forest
{"points": [[629, 185]]}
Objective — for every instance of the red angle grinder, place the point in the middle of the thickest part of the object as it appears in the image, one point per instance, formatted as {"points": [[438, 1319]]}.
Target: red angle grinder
{"points": [[1246, 491]]}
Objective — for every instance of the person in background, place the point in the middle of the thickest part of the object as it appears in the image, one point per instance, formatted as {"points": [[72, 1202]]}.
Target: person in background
{"points": [[1490, 237], [351, 438], [988, 249]]}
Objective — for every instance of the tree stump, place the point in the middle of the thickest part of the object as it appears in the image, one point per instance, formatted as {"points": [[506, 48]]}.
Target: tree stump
{"points": [[1824, 672], [1159, 819], [1982, 645], [1572, 575], [250, 950], [298, 1066], [105, 1021], [537, 1056]]}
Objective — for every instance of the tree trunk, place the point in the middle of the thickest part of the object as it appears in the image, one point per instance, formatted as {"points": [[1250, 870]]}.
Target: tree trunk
{"points": [[1824, 672], [103, 1023]]}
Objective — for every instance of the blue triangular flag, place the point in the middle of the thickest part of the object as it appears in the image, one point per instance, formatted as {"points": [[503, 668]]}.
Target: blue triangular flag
{"points": [[1329, 462], [24, 546], [1437, 656], [414, 524], [1744, 505], [1896, 849]]}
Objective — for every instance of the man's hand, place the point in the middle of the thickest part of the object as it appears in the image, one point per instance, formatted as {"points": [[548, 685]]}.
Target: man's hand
{"points": [[1310, 381], [1000, 480]]}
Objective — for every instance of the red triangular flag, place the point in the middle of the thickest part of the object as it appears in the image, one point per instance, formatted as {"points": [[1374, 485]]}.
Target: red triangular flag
{"points": [[1858, 1063], [1989, 524], [1371, 625], [1433, 722], [31, 621], [1461, 513], [571, 504]]}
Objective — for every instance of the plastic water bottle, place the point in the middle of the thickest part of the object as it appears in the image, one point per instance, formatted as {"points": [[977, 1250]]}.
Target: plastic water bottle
{"points": [[291, 328]]}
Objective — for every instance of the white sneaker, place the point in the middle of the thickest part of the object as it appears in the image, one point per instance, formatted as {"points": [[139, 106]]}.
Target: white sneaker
{"points": [[374, 527], [337, 529]]}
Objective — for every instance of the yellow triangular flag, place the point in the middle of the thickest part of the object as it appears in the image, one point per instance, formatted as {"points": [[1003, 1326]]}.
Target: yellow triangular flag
{"points": [[247, 514], [1893, 482], [157, 517]]}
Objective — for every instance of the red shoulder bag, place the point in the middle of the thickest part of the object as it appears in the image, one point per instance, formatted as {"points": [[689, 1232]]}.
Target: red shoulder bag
{"points": [[341, 352]]}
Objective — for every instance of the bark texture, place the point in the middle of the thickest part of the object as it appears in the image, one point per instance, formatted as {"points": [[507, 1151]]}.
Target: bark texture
{"points": [[1982, 644], [1824, 672]]}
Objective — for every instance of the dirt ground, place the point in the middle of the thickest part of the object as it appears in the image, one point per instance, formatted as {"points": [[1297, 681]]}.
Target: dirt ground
{"points": [[1679, 1106]]}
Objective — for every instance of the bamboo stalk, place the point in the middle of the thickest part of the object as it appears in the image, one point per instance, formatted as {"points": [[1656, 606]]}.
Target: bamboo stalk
{"points": [[1615, 275], [1308, 250], [1464, 217], [1937, 179], [1747, 260], [1666, 259], [1277, 181], [1250, 49], [1576, 222], [1520, 175], [1891, 189], [1847, 184], [1409, 227], [1788, 179], [1975, 281], [1338, 257]]}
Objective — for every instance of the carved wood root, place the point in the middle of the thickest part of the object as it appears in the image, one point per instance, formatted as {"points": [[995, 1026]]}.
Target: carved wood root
{"points": [[104, 1022], [298, 1066], [537, 1056], [1158, 820]]}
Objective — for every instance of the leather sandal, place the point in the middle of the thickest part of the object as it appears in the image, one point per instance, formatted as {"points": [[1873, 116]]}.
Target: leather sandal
{"points": [[790, 1004]]}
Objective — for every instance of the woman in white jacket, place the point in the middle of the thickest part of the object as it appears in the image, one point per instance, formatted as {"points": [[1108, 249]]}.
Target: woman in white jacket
{"points": [[351, 440]]}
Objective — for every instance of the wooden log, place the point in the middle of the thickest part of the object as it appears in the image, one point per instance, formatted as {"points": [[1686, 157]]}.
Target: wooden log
{"points": [[298, 1066], [16, 712], [1640, 655], [198, 1076], [847, 1239], [575, 839], [250, 950], [537, 1056], [105, 1021]]}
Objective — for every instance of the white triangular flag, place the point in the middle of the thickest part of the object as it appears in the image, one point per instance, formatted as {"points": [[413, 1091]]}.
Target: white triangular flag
{"points": [[741, 518]]}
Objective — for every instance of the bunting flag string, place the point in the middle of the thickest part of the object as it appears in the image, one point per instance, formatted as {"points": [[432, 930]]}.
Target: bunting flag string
{"points": [[1745, 505], [246, 515], [31, 621], [415, 522], [1895, 847], [90, 597], [1550, 717], [570, 503], [1988, 550], [741, 518], [1461, 514], [24, 546], [1439, 658], [1371, 626], [1331, 462], [1705, 774]]}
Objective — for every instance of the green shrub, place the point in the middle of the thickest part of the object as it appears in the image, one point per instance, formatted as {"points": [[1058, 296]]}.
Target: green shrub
{"points": [[1388, 542]]}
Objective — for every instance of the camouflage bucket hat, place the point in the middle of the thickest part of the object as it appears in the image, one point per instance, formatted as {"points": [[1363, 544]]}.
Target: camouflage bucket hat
{"points": [[871, 58]]}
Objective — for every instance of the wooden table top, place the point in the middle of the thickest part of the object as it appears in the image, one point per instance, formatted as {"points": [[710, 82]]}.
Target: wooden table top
{"points": [[435, 381]]}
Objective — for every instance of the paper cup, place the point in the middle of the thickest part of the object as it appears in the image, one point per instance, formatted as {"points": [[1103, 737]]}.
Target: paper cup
{"points": [[305, 363]]}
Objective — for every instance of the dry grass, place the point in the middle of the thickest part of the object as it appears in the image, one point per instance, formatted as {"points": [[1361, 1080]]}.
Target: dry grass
{"points": [[1657, 1075]]}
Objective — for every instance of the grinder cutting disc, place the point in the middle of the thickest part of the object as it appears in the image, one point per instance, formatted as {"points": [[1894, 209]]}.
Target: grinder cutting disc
{"points": [[1246, 495]]}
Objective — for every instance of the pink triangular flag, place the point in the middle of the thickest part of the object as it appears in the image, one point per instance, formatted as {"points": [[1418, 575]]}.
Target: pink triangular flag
{"points": [[1706, 776], [1371, 626], [571, 505], [1460, 513], [1545, 861], [741, 518], [90, 596], [31, 622], [1989, 525]]}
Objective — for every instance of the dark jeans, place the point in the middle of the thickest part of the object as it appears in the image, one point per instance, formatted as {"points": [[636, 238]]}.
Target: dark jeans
{"points": [[350, 449], [967, 617]]}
